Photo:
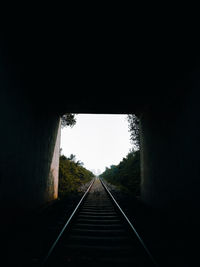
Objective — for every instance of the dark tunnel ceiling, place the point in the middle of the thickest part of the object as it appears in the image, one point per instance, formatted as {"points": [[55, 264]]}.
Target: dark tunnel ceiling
{"points": [[86, 75]]}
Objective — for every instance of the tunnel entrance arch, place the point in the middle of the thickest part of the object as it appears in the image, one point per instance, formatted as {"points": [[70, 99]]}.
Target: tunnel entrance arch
{"points": [[31, 135], [97, 140]]}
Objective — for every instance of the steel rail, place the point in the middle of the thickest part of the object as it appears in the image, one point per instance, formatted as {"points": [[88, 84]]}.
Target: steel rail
{"points": [[67, 223], [130, 224]]}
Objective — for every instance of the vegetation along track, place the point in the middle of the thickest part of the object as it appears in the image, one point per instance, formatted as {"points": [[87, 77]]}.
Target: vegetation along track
{"points": [[98, 233]]}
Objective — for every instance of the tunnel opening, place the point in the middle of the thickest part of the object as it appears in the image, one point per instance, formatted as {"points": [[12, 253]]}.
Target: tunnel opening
{"points": [[102, 141], [90, 136]]}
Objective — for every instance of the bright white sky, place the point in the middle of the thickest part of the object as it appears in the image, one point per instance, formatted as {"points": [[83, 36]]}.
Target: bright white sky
{"points": [[97, 140]]}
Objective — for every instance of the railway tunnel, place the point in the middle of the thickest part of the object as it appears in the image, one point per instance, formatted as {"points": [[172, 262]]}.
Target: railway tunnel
{"points": [[44, 77]]}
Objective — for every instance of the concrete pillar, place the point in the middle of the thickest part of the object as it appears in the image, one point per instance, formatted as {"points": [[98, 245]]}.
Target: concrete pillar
{"points": [[27, 139], [170, 163], [170, 140], [52, 189]]}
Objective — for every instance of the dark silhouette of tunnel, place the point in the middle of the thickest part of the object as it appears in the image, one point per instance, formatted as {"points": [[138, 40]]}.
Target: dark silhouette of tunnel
{"points": [[44, 75]]}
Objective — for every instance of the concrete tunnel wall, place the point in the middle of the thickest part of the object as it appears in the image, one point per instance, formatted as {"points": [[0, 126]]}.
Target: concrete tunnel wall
{"points": [[28, 138], [52, 188], [170, 152], [170, 162]]}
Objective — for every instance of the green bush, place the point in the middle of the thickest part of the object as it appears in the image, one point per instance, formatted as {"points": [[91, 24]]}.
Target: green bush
{"points": [[126, 174], [71, 176]]}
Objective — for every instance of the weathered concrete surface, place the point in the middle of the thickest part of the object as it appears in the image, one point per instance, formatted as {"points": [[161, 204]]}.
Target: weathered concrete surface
{"points": [[170, 138], [52, 189], [27, 145], [97, 73]]}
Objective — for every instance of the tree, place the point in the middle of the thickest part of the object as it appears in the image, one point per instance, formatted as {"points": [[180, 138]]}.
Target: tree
{"points": [[72, 157], [134, 129], [126, 174], [68, 119]]}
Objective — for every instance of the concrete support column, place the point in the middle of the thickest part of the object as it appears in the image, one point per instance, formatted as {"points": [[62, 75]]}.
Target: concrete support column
{"points": [[52, 189], [170, 163], [27, 139], [170, 140]]}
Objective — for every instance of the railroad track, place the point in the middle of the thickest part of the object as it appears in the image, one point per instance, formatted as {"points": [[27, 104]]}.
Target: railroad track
{"points": [[98, 233]]}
